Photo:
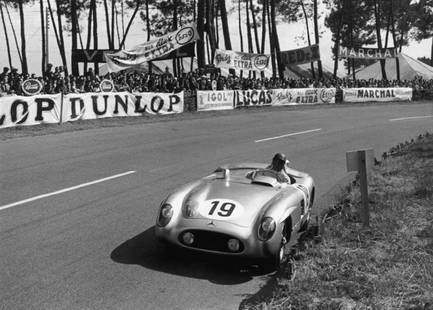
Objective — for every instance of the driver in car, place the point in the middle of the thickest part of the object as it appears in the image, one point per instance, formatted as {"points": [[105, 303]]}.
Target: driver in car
{"points": [[278, 165]]}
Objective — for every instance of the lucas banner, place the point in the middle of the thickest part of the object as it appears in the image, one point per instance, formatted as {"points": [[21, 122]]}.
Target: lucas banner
{"points": [[241, 61], [299, 96], [254, 97], [215, 100], [300, 55], [26, 111], [151, 50], [367, 53], [377, 94]]}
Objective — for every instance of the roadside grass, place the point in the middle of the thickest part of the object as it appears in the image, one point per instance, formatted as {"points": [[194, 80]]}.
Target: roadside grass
{"points": [[47, 129], [387, 266]]}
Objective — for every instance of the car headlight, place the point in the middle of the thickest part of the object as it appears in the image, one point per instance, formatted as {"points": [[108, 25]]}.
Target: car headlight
{"points": [[267, 228], [165, 214]]}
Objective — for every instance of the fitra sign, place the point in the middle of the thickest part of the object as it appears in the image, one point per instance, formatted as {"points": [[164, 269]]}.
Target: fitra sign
{"points": [[31, 87]]}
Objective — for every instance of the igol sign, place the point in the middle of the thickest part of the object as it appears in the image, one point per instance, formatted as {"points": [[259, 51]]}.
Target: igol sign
{"points": [[185, 35], [31, 87]]}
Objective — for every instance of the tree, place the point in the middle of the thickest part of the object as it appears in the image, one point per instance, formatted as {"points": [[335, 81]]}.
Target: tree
{"points": [[6, 35]]}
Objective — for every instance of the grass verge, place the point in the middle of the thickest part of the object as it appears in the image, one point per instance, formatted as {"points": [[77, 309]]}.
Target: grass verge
{"points": [[387, 266]]}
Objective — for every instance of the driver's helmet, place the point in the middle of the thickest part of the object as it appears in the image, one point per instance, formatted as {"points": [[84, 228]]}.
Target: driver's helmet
{"points": [[278, 162]]}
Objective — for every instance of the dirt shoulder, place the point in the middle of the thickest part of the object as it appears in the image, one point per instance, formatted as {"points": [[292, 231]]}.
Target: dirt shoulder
{"points": [[387, 266]]}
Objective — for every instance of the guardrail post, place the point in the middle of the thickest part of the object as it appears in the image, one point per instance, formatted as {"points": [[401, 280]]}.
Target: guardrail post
{"points": [[361, 161]]}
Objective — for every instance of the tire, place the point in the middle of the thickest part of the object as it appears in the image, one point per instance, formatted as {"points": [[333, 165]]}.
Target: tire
{"points": [[280, 258], [304, 225]]}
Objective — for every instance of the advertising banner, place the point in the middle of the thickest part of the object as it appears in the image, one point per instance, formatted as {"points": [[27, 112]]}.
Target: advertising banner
{"points": [[26, 111], [252, 97], [151, 50], [376, 94], [215, 100], [367, 53], [241, 61], [296, 96], [300, 55], [103, 105]]}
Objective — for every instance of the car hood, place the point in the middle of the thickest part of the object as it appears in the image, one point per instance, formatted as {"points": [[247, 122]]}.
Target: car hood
{"points": [[238, 203]]}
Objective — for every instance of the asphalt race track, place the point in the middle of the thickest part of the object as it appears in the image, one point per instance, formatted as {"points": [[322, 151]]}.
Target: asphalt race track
{"points": [[88, 243]]}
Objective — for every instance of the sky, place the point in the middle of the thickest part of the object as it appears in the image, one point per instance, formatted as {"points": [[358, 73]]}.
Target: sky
{"points": [[291, 36]]}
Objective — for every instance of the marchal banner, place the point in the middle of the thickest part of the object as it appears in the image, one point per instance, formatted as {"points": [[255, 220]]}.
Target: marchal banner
{"points": [[20, 110], [215, 100], [103, 105], [252, 97], [300, 55], [377, 94], [151, 50], [297, 96], [241, 61], [367, 53]]}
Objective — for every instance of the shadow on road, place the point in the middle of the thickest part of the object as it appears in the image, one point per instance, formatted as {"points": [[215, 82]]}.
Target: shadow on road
{"points": [[146, 251]]}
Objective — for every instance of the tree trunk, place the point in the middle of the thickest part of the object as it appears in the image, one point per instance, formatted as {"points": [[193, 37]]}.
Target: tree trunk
{"points": [[225, 25], [240, 31], [107, 25], [211, 27], [95, 35], [125, 33], [271, 42], [201, 7], [394, 40], [57, 34], [8, 48], [341, 8], [379, 37], [14, 34], [275, 40], [174, 26], [89, 34], [217, 36], [147, 20], [74, 22], [249, 35], [23, 38], [113, 11], [431, 55], [265, 4], [308, 35], [316, 33], [256, 35]]}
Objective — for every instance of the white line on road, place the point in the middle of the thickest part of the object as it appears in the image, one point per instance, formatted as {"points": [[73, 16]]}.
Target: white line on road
{"points": [[288, 135], [64, 190], [411, 117]]}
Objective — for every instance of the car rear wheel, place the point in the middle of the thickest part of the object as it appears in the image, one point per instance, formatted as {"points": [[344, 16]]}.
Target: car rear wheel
{"points": [[304, 225]]}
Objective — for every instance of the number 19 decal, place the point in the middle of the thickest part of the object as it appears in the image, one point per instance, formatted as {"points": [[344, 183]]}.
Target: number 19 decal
{"points": [[221, 209]]}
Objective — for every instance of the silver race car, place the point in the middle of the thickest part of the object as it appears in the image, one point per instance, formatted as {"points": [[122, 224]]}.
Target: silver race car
{"points": [[239, 210]]}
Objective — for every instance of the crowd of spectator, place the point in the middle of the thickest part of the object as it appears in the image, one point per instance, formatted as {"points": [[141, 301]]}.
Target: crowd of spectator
{"points": [[56, 81]]}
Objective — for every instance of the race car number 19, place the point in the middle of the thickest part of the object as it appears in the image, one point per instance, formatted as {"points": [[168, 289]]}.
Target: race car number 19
{"points": [[221, 209]]}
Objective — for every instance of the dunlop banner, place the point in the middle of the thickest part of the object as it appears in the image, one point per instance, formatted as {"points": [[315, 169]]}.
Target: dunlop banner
{"points": [[241, 61], [367, 53], [103, 105], [376, 94], [300, 55], [254, 97], [151, 50], [296, 96], [215, 100], [26, 111]]}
